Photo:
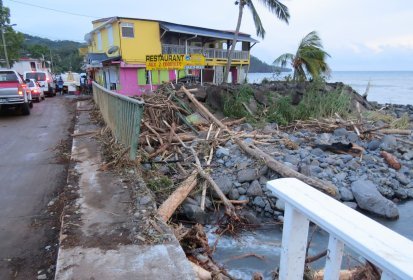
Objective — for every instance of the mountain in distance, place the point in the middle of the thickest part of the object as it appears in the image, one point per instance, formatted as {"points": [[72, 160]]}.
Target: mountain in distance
{"points": [[258, 66]]}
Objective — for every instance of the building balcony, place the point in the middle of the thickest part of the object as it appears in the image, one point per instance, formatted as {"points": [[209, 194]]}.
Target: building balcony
{"points": [[212, 56]]}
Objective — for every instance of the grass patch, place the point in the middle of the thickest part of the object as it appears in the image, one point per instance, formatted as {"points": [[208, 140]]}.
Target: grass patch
{"points": [[401, 123], [315, 104], [160, 184]]}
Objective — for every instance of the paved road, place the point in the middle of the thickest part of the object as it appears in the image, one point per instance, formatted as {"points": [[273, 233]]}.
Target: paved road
{"points": [[29, 176]]}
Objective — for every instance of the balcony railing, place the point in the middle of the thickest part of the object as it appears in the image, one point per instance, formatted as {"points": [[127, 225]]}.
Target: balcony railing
{"points": [[207, 52]]}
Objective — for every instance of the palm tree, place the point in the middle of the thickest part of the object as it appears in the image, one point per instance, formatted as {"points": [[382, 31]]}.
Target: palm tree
{"points": [[308, 60], [274, 6]]}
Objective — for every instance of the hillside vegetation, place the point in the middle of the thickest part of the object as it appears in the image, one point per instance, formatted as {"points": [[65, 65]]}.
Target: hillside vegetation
{"points": [[63, 53]]}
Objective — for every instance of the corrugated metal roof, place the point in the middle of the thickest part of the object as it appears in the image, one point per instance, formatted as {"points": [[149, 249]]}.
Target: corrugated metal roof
{"points": [[200, 31]]}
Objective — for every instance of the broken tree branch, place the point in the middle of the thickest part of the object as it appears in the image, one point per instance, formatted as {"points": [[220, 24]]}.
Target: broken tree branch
{"points": [[169, 206]]}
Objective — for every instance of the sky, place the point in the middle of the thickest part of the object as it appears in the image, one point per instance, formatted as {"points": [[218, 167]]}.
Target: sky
{"points": [[359, 35]]}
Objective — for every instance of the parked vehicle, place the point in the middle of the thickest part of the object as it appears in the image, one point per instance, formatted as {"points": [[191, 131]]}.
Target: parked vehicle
{"points": [[71, 82], [13, 92], [45, 80], [35, 90]]}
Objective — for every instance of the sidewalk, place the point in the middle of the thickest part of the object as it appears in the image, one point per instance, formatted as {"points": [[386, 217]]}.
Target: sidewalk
{"points": [[99, 236]]}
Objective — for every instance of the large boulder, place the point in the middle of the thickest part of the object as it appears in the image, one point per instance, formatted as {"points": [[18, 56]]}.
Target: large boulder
{"points": [[369, 198]]}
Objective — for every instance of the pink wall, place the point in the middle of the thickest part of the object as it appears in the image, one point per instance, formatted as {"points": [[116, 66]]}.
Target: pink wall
{"points": [[128, 79]]}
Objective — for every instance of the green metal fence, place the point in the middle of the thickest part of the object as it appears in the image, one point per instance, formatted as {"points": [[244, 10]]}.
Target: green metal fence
{"points": [[122, 114]]}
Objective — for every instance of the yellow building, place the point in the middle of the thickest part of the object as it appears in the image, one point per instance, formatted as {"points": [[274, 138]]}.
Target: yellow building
{"points": [[119, 49]]}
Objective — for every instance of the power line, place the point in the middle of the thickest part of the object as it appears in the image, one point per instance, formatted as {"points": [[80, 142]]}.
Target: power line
{"points": [[55, 10]]}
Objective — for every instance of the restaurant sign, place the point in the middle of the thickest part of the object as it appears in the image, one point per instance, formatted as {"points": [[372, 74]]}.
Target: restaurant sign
{"points": [[175, 61]]}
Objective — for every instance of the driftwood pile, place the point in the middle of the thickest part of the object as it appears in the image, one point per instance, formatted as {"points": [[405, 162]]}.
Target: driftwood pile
{"points": [[168, 137]]}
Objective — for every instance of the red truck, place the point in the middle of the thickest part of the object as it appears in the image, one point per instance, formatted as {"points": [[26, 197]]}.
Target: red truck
{"points": [[13, 92]]}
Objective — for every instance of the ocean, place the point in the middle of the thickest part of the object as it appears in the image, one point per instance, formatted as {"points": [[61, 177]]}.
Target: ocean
{"points": [[395, 87]]}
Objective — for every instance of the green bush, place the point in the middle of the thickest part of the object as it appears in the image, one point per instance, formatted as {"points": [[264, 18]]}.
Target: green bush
{"points": [[233, 104]]}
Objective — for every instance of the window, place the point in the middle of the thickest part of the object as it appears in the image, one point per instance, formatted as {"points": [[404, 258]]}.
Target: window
{"points": [[99, 35], [127, 30], [110, 35]]}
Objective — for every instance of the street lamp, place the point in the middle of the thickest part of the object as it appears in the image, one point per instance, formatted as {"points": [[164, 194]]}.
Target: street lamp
{"points": [[4, 42]]}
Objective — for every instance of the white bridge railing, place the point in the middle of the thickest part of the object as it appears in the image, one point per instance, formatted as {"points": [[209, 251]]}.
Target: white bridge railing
{"points": [[388, 250]]}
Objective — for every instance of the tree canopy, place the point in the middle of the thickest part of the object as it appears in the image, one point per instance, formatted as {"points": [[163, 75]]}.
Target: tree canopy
{"points": [[309, 59], [13, 40]]}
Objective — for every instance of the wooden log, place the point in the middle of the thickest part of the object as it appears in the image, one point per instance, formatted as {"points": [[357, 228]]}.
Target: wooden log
{"points": [[183, 136], [200, 272], [84, 133], [169, 206], [234, 122], [285, 171], [396, 131], [275, 165]]}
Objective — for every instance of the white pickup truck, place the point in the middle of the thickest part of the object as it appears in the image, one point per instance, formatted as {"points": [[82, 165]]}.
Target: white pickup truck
{"points": [[13, 92]]}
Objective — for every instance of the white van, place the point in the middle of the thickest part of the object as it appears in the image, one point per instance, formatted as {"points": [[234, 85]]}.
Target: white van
{"points": [[45, 80]]}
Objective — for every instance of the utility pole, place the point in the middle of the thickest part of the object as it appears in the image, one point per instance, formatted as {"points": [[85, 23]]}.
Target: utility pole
{"points": [[2, 34]]}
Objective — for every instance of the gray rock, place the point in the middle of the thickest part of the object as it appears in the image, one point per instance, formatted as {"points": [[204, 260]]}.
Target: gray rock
{"points": [[263, 170], [263, 180], [352, 205], [41, 277], [258, 201], [250, 217], [280, 204], [388, 143], [346, 194], [221, 152], [323, 138], [341, 176], [408, 155], [317, 152], [401, 193], [370, 199], [373, 145], [247, 126], [145, 200], [291, 159], [247, 175], [340, 132], [225, 183], [242, 191], [195, 213], [346, 158], [254, 189], [149, 149], [305, 170], [233, 194], [402, 178], [352, 137]]}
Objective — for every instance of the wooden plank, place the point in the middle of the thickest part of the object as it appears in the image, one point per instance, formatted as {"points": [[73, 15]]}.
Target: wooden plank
{"points": [[294, 244], [385, 248], [334, 257]]}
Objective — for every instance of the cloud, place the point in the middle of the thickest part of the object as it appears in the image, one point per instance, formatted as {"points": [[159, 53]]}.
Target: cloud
{"points": [[396, 42]]}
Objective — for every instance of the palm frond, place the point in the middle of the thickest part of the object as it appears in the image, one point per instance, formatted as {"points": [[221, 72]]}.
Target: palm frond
{"points": [[257, 20], [277, 8], [283, 59]]}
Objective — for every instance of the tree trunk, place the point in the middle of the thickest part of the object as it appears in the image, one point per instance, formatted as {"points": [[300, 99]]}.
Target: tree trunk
{"points": [[275, 165], [234, 41], [169, 206]]}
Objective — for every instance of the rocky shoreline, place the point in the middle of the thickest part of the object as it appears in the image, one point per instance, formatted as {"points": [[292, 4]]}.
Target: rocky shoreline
{"points": [[365, 182]]}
